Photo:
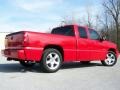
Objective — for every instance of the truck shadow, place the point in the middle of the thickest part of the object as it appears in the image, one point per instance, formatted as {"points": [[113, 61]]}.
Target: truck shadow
{"points": [[79, 65], [16, 67]]}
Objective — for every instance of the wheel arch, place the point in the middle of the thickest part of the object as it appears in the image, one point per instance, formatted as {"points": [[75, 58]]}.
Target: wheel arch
{"points": [[113, 50], [57, 47]]}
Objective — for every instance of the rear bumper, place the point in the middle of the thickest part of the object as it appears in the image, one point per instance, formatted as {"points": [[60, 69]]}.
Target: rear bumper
{"points": [[32, 54], [14, 53]]}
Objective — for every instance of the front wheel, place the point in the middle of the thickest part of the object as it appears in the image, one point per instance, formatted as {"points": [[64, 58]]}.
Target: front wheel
{"points": [[51, 60], [110, 60]]}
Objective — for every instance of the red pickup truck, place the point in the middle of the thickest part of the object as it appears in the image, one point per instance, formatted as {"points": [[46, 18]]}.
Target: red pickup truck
{"points": [[65, 44]]}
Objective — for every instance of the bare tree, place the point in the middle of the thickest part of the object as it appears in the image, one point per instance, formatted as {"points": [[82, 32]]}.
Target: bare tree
{"points": [[104, 21], [69, 19], [89, 17], [85, 19], [113, 9]]}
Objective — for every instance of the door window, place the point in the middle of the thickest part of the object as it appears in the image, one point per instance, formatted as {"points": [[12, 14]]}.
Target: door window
{"points": [[94, 35], [82, 32]]}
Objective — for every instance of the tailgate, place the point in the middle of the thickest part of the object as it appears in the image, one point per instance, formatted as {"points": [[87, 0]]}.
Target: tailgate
{"points": [[14, 40]]}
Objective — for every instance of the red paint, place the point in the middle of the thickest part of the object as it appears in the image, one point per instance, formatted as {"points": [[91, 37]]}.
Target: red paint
{"points": [[26, 45]]}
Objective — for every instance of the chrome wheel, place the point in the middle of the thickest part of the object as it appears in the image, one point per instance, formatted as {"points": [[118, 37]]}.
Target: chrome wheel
{"points": [[53, 61], [110, 59]]}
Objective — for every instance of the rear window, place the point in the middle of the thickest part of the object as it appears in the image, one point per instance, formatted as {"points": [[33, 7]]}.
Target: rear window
{"points": [[67, 31]]}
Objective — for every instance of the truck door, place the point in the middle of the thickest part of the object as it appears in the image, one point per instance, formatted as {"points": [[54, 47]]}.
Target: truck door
{"points": [[97, 48], [83, 48]]}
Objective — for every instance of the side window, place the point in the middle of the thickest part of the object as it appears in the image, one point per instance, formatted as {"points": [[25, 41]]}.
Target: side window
{"points": [[70, 32], [82, 32], [67, 31], [94, 35]]}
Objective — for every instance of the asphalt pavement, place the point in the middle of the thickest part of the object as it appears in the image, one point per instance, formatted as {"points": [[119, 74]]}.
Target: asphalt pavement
{"points": [[71, 76]]}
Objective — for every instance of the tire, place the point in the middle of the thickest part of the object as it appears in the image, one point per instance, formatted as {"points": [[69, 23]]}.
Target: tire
{"points": [[27, 63], [51, 60], [110, 60], [85, 62]]}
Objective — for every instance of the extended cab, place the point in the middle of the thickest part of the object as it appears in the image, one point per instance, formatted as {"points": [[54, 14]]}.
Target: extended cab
{"points": [[65, 44]]}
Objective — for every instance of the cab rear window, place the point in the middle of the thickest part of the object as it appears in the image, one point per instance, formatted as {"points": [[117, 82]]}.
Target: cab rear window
{"points": [[67, 31]]}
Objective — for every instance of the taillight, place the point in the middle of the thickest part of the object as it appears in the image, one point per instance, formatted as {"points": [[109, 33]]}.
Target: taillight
{"points": [[25, 40]]}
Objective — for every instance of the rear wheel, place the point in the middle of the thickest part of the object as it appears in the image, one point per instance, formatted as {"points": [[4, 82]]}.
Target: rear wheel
{"points": [[27, 63], [51, 60], [110, 60]]}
